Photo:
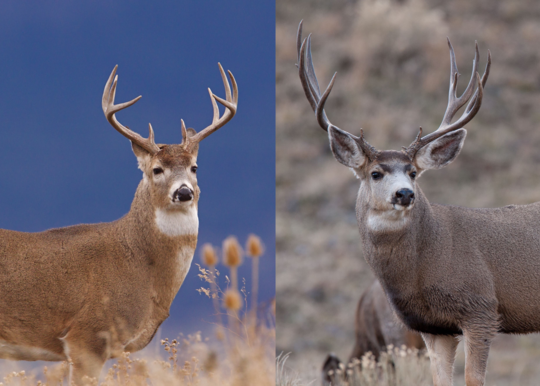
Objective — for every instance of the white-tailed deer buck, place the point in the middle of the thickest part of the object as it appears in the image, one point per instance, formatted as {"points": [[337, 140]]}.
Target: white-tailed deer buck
{"points": [[86, 293], [376, 327], [447, 270]]}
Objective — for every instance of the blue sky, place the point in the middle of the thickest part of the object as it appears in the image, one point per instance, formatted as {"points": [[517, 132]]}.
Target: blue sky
{"points": [[63, 164]]}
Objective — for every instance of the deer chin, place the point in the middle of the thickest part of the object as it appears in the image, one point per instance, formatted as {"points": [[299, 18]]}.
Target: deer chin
{"points": [[388, 220], [402, 208], [179, 206]]}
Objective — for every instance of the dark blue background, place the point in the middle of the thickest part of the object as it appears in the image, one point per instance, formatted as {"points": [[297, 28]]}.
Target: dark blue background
{"points": [[61, 163]]}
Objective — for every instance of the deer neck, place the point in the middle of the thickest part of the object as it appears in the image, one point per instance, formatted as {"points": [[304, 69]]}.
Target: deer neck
{"points": [[164, 242], [392, 241]]}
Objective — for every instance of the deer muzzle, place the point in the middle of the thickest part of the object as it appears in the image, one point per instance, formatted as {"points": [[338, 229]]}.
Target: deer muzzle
{"points": [[403, 197], [183, 194]]}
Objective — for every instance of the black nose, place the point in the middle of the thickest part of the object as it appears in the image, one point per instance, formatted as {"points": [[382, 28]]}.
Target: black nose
{"points": [[183, 194], [404, 197]]}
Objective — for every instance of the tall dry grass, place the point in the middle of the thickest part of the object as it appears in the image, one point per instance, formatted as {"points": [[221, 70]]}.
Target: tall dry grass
{"points": [[398, 366], [241, 352]]}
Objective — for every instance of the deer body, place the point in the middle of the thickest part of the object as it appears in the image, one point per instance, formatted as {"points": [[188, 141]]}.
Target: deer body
{"points": [[444, 274], [119, 278], [446, 270], [87, 293]]}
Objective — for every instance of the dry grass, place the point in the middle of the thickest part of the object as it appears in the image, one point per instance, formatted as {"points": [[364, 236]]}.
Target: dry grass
{"points": [[241, 353], [393, 72], [398, 366]]}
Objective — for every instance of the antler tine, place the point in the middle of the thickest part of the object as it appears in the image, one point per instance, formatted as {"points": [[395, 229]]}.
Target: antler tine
{"points": [[110, 109], [230, 103], [310, 70], [454, 103], [310, 84], [184, 132], [309, 80], [319, 111], [484, 81], [312, 99], [462, 121]]}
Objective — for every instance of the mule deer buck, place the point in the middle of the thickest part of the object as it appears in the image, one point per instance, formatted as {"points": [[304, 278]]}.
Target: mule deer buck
{"points": [[376, 327], [447, 270], [86, 293]]}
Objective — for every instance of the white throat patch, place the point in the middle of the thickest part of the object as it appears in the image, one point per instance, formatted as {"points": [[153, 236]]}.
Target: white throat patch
{"points": [[178, 223], [390, 220]]}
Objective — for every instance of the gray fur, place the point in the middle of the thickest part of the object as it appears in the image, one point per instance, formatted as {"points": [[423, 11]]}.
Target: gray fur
{"points": [[451, 271]]}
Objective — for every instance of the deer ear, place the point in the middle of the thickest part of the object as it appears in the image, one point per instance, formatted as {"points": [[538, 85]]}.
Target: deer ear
{"points": [[442, 151], [345, 148], [143, 156]]}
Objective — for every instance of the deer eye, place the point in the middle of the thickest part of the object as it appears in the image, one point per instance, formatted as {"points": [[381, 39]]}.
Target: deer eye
{"points": [[194, 169], [157, 171], [376, 175], [413, 175]]}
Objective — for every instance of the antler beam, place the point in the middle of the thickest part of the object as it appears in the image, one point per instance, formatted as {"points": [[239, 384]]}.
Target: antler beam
{"points": [[310, 84], [455, 103], [110, 109], [230, 103]]}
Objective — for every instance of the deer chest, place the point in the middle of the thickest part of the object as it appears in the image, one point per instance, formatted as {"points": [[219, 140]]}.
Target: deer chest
{"points": [[431, 312]]}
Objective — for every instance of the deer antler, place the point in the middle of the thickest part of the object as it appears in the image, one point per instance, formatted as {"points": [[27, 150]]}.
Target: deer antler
{"points": [[455, 103], [310, 84], [110, 109], [230, 103]]}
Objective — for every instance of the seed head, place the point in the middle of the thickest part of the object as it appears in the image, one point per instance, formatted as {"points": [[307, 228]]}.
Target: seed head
{"points": [[208, 255], [254, 246], [220, 333], [232, 252], [232, 300]]}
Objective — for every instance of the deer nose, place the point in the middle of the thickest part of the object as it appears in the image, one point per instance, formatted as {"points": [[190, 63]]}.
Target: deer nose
{"points": [[183, 194], [404, 197]]}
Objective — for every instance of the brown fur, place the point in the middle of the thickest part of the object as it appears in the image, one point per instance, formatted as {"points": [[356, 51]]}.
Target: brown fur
{"points": [[89, 292]]}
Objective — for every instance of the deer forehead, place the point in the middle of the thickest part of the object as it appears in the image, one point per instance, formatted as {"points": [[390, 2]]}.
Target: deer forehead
{"points": [[174, 156], [392, 163], [391, 159]]}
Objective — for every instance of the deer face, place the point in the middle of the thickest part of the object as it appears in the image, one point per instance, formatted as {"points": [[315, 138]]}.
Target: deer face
{"points": [[172, 176], [388, 177], [171, 179], [391, 181]]}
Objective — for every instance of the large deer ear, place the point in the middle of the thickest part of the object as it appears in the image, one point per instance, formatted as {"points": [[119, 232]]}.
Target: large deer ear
{"points": [[441, 152], [345, 148]]}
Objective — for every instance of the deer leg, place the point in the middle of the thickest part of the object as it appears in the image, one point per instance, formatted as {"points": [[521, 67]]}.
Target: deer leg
{"points": [[477, 344], [87, 355], [442, 352]]}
